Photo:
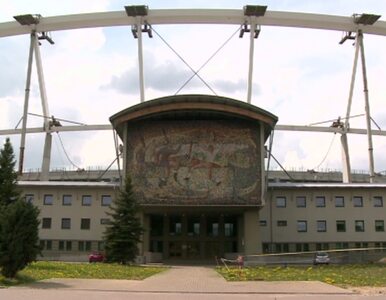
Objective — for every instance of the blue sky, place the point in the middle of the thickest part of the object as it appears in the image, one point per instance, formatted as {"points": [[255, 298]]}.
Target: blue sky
{"points": [[300, 75]]}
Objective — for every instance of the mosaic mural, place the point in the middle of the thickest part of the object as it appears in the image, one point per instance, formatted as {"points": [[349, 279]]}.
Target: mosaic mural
{"points": [[194, 162]]}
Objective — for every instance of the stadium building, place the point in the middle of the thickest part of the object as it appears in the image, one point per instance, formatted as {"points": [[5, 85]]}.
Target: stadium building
{"points": [[198, 167]]}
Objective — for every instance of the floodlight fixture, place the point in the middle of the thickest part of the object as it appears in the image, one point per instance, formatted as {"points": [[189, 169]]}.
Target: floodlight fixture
{"points": [[46, 36], [136, 10], [365, 19], [254, 10], [28, 19]]}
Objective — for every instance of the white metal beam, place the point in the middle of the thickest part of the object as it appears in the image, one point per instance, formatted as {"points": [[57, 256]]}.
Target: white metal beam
{"points": [[194, 16]]}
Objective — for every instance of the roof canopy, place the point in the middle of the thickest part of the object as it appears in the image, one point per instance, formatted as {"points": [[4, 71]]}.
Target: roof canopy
{"points": [[193, 107]]}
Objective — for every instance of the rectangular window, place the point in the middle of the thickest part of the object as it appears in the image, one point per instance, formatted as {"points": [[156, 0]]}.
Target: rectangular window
{"points": [[321, 226], [281, 223], [61, 245], [66, 223], [88, 245], [105, 221], [106, 200], [29, 198], [46, 223], [86, 200], [48, 245], [101, 246], [175, 225], [378, 201], [263, 223], [281, 202], [357, 201], [48, 199], [68, 245], [302, 226], [300, 201], [379, 225], [359, 226], [81, 246], [67, 200], [84, 245], [339, 201], [320, 201], [85, 224], [341, 226]]}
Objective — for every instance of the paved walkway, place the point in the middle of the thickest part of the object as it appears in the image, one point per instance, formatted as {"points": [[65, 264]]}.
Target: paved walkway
{"points": [[193, 280]]}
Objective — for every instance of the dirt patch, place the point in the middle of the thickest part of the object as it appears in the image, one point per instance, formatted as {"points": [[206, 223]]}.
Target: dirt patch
{"points": [[368, 290]]}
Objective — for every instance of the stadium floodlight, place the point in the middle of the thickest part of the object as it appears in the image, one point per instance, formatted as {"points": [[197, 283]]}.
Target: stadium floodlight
{"points": [[28, 19], [365, 19], [136, 10], [255, 10]]}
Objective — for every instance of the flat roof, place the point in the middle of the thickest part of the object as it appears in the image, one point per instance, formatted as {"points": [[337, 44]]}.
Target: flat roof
{"points": [[293, 185], [69, 184]]}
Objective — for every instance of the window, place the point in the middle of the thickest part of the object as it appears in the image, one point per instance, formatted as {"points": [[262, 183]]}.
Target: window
{"points": [[66, 223], [67, 200], [212, 226], [194, 226], [302, 247], [84, 223], [46, 223], [322, 246], [359, 226], [300, 201], [378, 201], [48, 245], [281, 202], [357, 201], [321, 226], [379, 225], [101, 246], [302, 226], [86, 200], [320, 201], [61, 245], [341, 245], [339, 201], [175, 225], [263, 223], [106, 200], [84, 246], [68, 245], [281, 223], [341, 226], [29, 198], [48, 199], [230, 226], [106, 221]]}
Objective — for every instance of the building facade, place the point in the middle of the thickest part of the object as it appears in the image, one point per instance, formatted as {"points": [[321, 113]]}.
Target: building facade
{"points": [[197, 165]]}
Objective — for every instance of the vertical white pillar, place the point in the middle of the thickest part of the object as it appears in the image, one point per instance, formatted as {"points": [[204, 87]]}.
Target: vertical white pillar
{"points": [[26, 101], [251, 55], [367, 109], [140, 62]]}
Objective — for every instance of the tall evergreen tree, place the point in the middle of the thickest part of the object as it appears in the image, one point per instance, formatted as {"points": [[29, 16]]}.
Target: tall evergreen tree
{"points": [[124, 233], [19, 225], [8, 175]]}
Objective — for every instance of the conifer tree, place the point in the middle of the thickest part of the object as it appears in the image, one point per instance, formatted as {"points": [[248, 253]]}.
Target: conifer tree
{"points": [[124, 233], [8, 175], [19, 225]]}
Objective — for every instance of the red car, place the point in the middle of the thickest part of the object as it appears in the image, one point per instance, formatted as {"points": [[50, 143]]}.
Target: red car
{"points": [[96, 257]]}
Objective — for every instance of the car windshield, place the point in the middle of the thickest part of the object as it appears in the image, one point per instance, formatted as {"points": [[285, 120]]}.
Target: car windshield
{"points": [[321, 254]]}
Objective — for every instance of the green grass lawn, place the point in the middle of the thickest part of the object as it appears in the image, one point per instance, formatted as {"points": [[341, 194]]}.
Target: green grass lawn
{"points": [[45, 270], [341, 275]]}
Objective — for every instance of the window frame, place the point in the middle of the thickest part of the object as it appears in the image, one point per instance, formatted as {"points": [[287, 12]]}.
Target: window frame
{"points": [[321, 222], [376, 226], [44, 224], [340, 198], [301, 201], [104, 197], [84, 197], [298, 225], [320, 198], [281, 223], [66, 203], [66, 227], [82, 227], [378, 198], [341, 222], [283, 198], [357, 198], [359, 228], [46, 198]]}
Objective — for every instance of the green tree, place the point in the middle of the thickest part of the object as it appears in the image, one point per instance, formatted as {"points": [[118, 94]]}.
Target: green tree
{"points": [[8, 175], [19, 225], [124, 233], [19, 237]]}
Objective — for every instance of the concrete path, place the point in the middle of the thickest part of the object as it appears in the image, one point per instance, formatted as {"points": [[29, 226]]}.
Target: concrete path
{"points": [[191, 280]]}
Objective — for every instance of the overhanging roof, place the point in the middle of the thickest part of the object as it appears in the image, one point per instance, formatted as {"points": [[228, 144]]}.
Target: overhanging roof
{"points": [[193, 106]]}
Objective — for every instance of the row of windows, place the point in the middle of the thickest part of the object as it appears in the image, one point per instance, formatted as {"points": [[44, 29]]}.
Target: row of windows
{"points": [[304, 247], [320, 201], [67, 200], [65, 245], [85, 223], [321, 225]]}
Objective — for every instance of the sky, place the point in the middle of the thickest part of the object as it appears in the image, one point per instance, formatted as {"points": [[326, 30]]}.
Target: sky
{"points": [[300, 75]]}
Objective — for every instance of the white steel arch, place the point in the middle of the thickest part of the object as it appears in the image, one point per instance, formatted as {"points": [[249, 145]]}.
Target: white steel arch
{"points": [[194, 16]]}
